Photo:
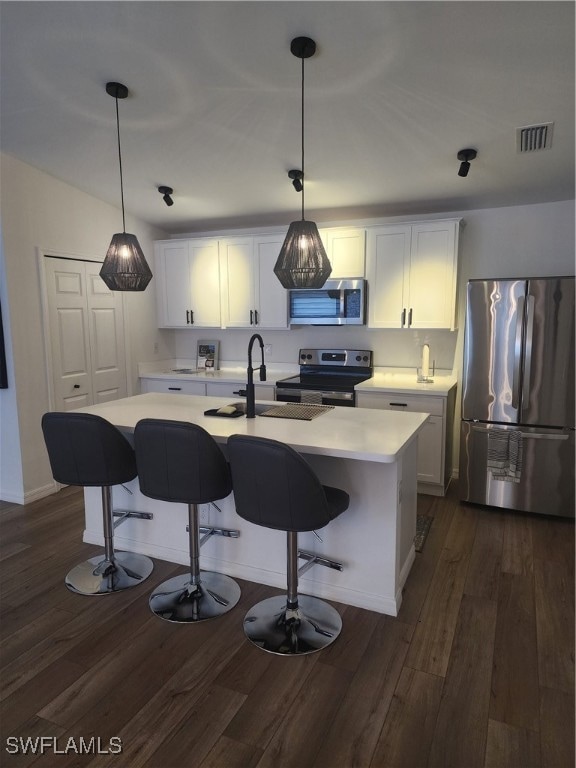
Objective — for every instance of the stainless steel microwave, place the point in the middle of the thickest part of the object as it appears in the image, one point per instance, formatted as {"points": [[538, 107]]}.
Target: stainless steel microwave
{"points": [[338, 302]]}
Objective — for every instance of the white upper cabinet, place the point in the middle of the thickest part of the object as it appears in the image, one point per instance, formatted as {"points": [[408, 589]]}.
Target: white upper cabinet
{"points": [[188, 283], [252, 296], [345, 249], [412, 275]]}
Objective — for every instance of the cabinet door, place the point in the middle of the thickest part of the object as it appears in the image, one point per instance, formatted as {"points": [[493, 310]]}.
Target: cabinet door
{"points": [[172, 275], [188, 284], [237, 288], [431, 449], [346, 251], [204, 284], [388, 266], [432, 288], [271, 299]]}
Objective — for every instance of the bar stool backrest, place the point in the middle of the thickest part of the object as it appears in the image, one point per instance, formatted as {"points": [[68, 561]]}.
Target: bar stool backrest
{"points": [[276, 487], [87, 450], [180, 462]]}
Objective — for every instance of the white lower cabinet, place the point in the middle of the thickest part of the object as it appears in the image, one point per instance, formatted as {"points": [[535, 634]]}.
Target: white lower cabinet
{"points": [[172, 386], [224, 389], [435, 438], [210, 389]]}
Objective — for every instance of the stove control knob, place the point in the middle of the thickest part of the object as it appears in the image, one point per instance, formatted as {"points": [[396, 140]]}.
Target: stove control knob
{"points": [[365, 358], [358, 358], [309, 357], [302, 357]]}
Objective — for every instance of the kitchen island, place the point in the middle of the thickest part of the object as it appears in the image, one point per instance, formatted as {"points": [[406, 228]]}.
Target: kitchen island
{"points": [[371, 454]]}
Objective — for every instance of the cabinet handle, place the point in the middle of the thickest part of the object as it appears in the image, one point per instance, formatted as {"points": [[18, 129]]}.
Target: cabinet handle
{"points": [[187, 317], [76, 386], [191, 317], [251, 317], [403, 318], [410, 317], [240, 393], [255, 317], [404, 405], [175, 389]]}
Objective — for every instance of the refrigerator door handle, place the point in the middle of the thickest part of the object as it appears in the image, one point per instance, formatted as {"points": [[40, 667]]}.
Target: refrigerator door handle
{"points": [[533, 435], [517, 353], [528, 350]]}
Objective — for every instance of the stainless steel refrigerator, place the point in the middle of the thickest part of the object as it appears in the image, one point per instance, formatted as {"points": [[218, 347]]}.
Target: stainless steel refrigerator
{"points": [[517, 433]]}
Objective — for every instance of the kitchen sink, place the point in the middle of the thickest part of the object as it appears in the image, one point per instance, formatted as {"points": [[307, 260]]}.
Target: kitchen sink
{"points": [[259, 408]]}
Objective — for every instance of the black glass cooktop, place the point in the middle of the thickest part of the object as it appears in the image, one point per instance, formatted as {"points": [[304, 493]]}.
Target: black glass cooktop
{"points": [[343, 382]]}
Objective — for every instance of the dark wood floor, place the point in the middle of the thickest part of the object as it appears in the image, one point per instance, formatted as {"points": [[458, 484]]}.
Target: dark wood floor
{"points": [[477, 670]]}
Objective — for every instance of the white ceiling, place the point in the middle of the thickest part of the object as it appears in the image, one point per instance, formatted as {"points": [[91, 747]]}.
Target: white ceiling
{"points": [[393, 92]]}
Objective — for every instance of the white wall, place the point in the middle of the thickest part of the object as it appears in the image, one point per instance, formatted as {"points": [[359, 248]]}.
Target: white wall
{"points": [[42, 214]]}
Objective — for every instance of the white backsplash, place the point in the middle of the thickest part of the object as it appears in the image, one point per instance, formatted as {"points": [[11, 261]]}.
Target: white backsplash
{"points": [[392, 348]]}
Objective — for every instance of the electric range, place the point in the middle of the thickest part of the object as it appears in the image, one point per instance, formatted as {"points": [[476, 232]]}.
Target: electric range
{"points": [[327, 376]]}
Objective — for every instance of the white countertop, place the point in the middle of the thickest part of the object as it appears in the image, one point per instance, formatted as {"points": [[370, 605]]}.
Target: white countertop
{"points": [[387, 380], [383, 380], [353, 433], [224, 375]]}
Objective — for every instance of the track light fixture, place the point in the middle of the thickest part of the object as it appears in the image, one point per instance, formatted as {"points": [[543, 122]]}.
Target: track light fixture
{"points": [[296, 177], [465, 155], [124, 268], [302, 262], [166, 192]]}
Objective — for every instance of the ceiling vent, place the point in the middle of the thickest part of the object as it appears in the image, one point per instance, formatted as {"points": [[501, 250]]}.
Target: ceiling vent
{"points": [[534, 138]]}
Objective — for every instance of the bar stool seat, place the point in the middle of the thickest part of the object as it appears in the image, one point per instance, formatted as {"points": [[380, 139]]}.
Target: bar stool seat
{"points": [[275, 487], [87, 450], [180, 462]]}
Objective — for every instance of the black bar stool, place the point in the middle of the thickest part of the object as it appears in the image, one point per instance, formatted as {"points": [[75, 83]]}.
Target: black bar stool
{"points": [[180, 462], [87, 450], [274, 486]]}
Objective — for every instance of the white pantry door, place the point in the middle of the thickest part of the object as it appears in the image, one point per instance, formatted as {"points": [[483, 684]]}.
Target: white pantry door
{"points": [[86, 335]]}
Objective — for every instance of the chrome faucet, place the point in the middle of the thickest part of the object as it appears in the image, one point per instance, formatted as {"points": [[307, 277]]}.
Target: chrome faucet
{"points": [[250, 394]]}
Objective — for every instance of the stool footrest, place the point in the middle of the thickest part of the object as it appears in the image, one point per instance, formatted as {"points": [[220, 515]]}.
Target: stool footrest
{"points": [[124, 514], [313, 559], [207, 531]]}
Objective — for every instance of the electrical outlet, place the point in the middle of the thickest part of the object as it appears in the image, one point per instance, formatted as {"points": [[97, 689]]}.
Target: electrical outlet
{"points": [[268, 350]]}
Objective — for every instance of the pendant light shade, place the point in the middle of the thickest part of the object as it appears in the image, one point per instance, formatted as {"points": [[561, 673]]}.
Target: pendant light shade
{"points": [[124, 268], [302, 262]]}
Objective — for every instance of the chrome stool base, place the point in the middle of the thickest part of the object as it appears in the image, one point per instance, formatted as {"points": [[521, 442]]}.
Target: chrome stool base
{"points": [[99, 576], [181, 602], [275, 628]]}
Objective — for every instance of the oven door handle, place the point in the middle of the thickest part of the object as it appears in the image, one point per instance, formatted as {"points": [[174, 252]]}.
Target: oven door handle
{"points": [[298, 394], [331, 395]]}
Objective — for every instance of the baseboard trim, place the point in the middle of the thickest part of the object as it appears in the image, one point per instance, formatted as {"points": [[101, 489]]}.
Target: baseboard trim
{"points": [[29, 496]]}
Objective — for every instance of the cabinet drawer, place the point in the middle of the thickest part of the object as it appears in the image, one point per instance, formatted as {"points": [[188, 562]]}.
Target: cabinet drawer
{"points": [[173, 386], [223, 389], [394, 401], [226, 389]]}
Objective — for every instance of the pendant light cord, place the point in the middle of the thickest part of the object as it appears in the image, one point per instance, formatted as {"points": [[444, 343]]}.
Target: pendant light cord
{"points": [[303, 176], [120, 164]]}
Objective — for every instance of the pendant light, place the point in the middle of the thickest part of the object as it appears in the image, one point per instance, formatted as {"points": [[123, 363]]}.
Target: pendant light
{"points": [[124, 268], [302, 262]]}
